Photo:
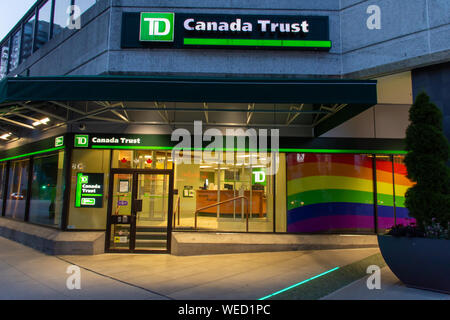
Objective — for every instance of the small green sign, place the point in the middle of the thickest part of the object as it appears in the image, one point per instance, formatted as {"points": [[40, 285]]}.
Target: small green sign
{"points": [[259, 176], [81, 141], [59, 141], [157, 26], [89, 190], [88, 201]]}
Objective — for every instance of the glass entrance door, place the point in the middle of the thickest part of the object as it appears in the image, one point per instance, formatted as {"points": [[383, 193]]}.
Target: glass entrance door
{"points": [[152, 211], [140, 204]]}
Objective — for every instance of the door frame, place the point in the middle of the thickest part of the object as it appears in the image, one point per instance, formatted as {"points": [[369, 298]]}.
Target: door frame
{"points": [[134, 173]]}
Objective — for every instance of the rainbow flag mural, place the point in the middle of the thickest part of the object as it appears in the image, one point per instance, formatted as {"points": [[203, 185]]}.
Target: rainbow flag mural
{"points": [[334, 192], [385, 194]]}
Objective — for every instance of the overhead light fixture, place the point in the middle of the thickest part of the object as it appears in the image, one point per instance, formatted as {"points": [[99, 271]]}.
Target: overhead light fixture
{"points": [[43, 121], [5, 136]]}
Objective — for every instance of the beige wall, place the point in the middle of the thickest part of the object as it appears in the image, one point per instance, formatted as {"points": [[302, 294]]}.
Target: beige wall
{"points": [[89, 161], [388, 119], [281, 214]]}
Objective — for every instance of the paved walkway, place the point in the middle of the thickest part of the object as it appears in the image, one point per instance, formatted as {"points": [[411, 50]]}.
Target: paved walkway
{"points": [[29, 274], [391, 289]]}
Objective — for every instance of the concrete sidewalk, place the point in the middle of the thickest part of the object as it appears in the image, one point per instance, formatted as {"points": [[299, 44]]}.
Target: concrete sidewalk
{"points": [[29, 274], [391, 289]]}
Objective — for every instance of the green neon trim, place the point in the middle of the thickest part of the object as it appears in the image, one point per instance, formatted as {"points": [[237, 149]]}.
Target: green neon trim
{"points": [[131, 147], [258, 42], [78, 191], [298, 284], [344, 151], [92, 195], [32, 153], [268, 150]]}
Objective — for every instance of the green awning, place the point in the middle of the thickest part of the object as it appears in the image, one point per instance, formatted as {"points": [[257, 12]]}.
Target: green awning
{"points": [[356, 95], [233, 90]]}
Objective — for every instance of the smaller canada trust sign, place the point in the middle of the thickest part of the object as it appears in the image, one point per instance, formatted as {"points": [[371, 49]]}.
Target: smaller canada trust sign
{"points": [[183, 30]]}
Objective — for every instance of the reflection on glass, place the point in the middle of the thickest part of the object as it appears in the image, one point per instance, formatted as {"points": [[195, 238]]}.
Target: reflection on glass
{"points": [[43, 27], [152, 221], [385, 193], [224, 194], [142, 159], [4, 60], [392, 184], [15, 51], [47, 190], [17, 189], [84, 4], [62, 15], [121, 212], [2, 183], [329, 193], [27, 44]]}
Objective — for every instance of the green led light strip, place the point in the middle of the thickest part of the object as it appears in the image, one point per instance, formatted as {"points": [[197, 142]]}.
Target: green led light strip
{"points": [[131, 147], [255, 150], [32, 153], [258, 43]]}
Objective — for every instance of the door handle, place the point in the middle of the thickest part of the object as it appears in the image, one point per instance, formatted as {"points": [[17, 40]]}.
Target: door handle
{"points": [[137, 205]]}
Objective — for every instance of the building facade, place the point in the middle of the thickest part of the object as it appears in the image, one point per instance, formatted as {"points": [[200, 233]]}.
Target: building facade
{"points": [[96, 95]]}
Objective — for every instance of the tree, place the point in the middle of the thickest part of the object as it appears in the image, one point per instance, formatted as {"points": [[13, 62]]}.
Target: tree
{"points": [[426, 161]]}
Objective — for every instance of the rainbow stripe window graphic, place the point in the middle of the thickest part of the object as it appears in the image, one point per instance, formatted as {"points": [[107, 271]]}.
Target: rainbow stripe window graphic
{"points": [[391, 189], [335, 193]]}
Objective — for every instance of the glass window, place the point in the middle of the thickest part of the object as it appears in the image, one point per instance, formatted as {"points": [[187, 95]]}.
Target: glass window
{"points": [[27, 44], [280, 196], [401, 185], [329, 193], [61, 15], [84, 4], [4, 60], [89, 161], [2, 183], [142, 159], [15, 51], [392, 185], [47, 189], [17, 189], [243, 188], [43, 24]]}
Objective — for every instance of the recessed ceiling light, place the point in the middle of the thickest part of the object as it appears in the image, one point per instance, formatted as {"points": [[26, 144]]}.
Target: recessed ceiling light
{"points": [[43, 121], [5, 136]]}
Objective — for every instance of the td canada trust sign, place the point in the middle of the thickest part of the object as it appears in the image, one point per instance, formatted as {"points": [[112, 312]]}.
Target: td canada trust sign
{"points": [[183, 30]]}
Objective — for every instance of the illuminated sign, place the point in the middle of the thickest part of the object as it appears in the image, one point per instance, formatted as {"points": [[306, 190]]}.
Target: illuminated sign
{"points": [[89, 190], [157, 26], [89, 141], [190, 30], [259, 176], [81, 141], [59, 141]]}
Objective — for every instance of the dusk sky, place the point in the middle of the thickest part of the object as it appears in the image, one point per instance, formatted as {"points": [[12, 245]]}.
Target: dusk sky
{"points": [[11, 12]]}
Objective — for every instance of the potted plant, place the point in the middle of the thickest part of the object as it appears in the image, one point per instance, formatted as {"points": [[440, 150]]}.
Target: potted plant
{"points": [[419, 254]]}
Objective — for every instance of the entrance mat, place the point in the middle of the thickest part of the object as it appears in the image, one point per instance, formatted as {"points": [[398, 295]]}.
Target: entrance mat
{"points": [[319, 287]]}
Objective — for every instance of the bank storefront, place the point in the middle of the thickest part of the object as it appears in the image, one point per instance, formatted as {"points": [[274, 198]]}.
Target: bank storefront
{"points": [[131, 187], [97, 149]]}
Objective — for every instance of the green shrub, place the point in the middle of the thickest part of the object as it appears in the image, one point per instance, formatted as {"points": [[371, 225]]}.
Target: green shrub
{"points": [[428, 152]]}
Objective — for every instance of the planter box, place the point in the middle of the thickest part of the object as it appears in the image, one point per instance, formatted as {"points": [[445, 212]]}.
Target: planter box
{"points": [[418, 262]]}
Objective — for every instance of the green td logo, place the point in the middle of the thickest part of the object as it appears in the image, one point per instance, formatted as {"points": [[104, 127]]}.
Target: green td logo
{"points": [[81, 141], [157, 26]]}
